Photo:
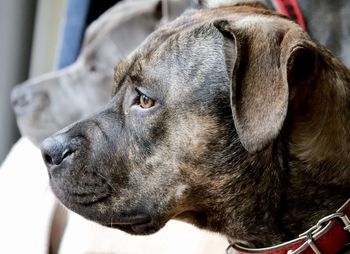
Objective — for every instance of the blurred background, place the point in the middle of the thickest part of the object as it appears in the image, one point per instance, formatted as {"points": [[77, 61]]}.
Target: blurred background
{"points": [[29, 43], [38, 36]]}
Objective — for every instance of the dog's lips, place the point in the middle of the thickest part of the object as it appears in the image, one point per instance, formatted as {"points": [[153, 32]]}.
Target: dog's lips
{"points": [[138, 223], [132, 220]]}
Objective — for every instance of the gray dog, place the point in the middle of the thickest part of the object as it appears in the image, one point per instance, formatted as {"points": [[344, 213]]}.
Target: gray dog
{"points": [[46, 104], [232, 119]]}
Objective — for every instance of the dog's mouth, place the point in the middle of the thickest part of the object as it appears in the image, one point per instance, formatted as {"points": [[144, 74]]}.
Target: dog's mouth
{"points": [[137, 224]]}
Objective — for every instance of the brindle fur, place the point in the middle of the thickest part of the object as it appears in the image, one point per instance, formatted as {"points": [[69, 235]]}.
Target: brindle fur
{"points": [[249, 135]]}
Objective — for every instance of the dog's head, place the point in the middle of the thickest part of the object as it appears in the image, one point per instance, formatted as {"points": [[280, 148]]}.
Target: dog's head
{"points": [[50, 102], [195, 113]]}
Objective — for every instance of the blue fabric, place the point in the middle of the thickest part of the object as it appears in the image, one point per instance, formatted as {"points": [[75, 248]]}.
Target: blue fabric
{"points": [[75, 24]]}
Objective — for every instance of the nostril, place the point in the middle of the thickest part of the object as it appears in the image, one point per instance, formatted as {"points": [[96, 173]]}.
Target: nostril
{"points": [[66, 153], [56, 158], [26, 99], [55, 150], [48, 159], [20, 101]]}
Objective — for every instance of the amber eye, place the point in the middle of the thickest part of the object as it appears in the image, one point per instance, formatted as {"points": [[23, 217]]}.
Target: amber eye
{"points": [[146, 102]]}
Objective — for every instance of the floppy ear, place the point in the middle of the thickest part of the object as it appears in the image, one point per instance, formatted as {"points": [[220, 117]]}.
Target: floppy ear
{"points": [[267, 64]]}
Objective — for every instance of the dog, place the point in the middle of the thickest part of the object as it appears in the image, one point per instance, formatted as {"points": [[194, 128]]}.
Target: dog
{"points": [[225, 118], [50, 102]]}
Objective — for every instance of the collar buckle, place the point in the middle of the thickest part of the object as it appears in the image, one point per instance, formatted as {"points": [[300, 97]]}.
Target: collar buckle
{"points": [[310, 238], [321, 224], [309, 242], [311, 232]]}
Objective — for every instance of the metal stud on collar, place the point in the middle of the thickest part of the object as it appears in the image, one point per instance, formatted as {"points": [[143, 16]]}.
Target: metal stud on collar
{"points": [[309, 242], [346, 222], [344, 217], [313, 246]]}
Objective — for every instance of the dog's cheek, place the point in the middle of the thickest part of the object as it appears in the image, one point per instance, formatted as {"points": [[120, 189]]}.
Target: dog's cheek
{"points": [[183, 158], [154, 185]]}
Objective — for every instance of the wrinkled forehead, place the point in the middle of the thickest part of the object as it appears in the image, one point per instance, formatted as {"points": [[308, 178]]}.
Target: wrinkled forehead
{"points": [[174, 58], [193, 43]]}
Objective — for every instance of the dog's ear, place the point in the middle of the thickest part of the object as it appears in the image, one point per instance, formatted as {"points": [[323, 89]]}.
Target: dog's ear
{"points": [[266, 65]]}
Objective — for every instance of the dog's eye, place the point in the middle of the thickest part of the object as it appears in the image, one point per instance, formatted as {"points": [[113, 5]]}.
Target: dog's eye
{"points": [[142, 100], [146, 102]]}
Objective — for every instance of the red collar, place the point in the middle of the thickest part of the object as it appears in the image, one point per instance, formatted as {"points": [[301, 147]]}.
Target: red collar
{"points": [[330, 235], [291, 9]]}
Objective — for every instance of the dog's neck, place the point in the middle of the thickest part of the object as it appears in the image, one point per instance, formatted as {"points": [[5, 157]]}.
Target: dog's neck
{"points": [[318, 126], [313, 174], [319, 123], [272, 196], [319, 148]]}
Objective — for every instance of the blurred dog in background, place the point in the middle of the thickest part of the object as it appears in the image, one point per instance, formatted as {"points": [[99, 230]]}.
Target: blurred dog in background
{"points": [[47, 103]]}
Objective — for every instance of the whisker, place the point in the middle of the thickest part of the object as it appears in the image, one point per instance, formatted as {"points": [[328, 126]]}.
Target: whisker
{"points": [[107, 182]]}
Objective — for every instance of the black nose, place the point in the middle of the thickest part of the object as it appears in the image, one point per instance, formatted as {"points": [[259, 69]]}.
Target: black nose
{"points": [[55, 149], [21, 99], [26, 99]]}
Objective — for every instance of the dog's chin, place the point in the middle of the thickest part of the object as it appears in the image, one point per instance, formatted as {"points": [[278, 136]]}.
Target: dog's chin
{"points": [[134, 221]]}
